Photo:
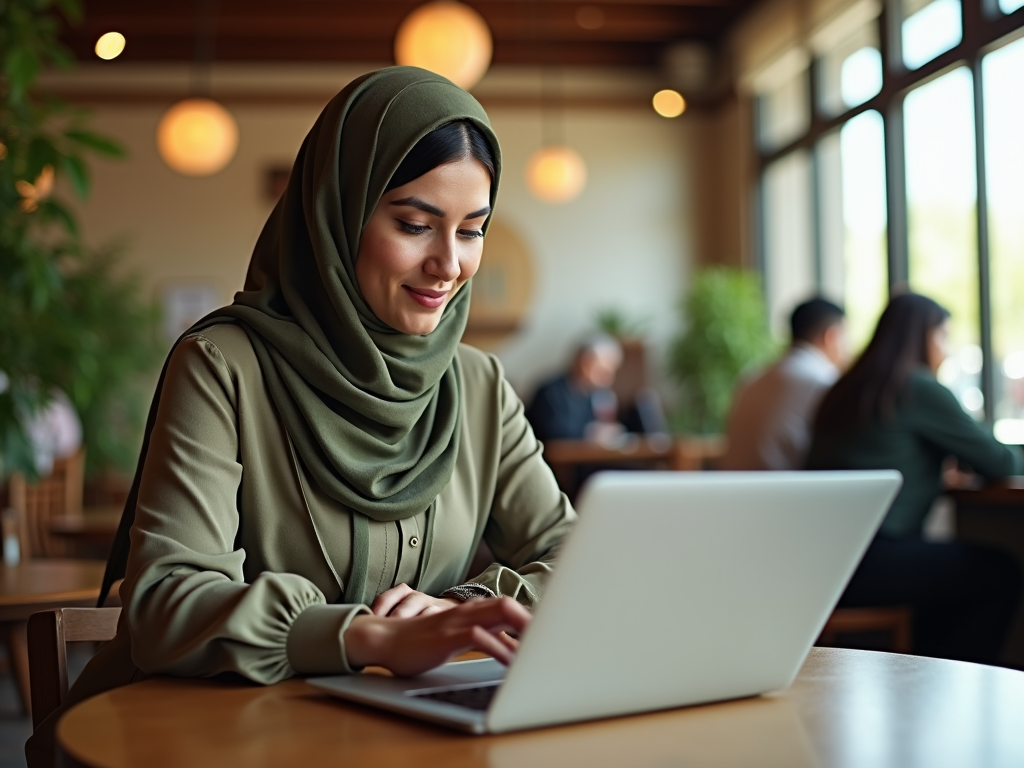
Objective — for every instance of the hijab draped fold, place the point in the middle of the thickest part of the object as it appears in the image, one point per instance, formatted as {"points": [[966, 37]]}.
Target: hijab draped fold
{"points": [[373, 413]]}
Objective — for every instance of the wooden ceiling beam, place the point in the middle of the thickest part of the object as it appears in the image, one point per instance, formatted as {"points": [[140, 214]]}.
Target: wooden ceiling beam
{"points": [[632, 32]]}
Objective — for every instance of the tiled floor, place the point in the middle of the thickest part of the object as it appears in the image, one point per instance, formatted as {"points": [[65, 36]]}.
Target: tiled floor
{"points": [[15, 727]]}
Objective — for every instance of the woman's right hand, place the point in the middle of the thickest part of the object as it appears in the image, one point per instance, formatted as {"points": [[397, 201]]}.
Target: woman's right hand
{"points": [[414, 645]]}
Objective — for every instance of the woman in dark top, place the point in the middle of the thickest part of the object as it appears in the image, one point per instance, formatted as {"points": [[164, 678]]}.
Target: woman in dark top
{"points": [[890, 412]]}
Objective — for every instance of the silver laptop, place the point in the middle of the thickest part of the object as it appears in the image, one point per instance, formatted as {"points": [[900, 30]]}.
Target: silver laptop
{"points": [[673, 589]]}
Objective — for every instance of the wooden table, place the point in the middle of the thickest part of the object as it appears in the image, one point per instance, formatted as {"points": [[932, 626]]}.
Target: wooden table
{"points": [[39, 585], [1008, 493], [565, 457], [847, 708], [91, 533]]}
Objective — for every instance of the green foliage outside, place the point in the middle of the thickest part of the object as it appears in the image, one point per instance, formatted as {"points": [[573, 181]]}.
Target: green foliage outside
{"points": [[726, 333], [67, 319]]}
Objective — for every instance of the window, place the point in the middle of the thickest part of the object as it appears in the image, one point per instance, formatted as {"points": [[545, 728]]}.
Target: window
{"points": [[879, 188], [1002, 74], [942, 219], [850, 72], [790, 274], [783, 111], [930, 27], [851, 183]]}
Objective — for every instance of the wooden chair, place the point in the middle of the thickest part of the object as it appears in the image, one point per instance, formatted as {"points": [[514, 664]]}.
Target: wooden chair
{"points": [[895, 622], [59, 494], [49, 632]]}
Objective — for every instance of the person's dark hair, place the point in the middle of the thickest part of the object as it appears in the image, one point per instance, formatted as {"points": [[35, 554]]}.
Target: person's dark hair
{"points": [[450, 143], [871, 388], [812, 318]]}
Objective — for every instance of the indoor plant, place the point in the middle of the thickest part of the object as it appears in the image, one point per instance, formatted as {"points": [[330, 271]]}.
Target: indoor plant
{"points": [[67, 321], [726, 333]]}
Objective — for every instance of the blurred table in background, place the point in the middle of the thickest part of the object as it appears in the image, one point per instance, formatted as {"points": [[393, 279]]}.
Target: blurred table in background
{"points": [[41, 585], [993, 514], [89, 534], [572, 460]]}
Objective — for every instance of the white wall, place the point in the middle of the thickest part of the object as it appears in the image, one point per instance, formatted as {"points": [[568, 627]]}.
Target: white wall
{"points": [[626, 241]]}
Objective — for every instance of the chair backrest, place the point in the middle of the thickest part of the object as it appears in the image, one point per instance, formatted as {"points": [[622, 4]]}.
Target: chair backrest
{"points": [[58, 494], [49, 632]]}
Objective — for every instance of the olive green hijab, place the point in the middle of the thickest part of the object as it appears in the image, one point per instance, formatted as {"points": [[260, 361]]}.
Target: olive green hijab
{"points": [[371, 412]]}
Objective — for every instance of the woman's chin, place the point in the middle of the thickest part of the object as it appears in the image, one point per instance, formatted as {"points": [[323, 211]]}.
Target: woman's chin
{"points": [[421, 325]]}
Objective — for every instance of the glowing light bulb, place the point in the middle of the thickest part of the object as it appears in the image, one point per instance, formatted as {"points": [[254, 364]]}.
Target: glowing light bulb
{"points": [[110, 45], [197, 137], [448, 38], [669, 103], [556, 174]]}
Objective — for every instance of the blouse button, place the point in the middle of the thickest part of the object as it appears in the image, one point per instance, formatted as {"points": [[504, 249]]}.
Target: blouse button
{"points": [[414, 542]]}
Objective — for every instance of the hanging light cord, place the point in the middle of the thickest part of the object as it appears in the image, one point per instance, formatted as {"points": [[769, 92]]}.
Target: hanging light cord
{"points": [[552, 117], [206, 36]]}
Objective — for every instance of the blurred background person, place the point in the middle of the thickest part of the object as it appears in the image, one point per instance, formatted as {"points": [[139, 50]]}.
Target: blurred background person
{"points": [[580, 404], [890, 412], [55, 432], [769, 425]]}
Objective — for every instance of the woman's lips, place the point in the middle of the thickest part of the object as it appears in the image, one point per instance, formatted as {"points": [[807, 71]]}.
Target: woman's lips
{"points": [[426, 297]]}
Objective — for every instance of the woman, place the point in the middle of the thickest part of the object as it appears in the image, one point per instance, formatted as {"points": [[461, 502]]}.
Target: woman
{"points": [[890, 412], [323, 457]]}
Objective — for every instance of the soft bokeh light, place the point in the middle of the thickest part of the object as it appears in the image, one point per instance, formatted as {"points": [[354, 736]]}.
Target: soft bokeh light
{"points": [[110, 45], [556, 174], [669, 103], [448, 38], [33, 194], [197, 137]]}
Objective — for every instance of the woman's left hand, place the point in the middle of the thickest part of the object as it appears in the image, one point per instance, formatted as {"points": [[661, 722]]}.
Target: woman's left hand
{"points": [[403, 602]]}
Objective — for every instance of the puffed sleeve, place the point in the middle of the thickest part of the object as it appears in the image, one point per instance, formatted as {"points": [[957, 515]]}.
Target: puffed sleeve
{"points": [[529, 515], [189, 609]]}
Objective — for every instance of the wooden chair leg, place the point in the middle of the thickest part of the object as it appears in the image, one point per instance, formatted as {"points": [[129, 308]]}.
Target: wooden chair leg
{"points": [[16, 635]]}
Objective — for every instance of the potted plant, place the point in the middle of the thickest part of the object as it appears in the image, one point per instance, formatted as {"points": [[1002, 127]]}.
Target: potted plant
{"points": [[726, 333], [68, 322]]}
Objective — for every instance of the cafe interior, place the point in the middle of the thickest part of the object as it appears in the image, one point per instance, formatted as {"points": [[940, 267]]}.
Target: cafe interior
{"points": [[677, 176]]}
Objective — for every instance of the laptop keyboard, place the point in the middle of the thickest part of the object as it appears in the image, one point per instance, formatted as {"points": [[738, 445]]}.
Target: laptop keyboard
{"points": [[479, 697]]}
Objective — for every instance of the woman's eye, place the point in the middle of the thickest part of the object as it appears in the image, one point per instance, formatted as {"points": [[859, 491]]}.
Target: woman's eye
{"points": [[412, 229], [471, 234]]}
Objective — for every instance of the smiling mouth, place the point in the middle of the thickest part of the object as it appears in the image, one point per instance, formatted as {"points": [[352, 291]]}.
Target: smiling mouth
{"points": [[426, 297]]}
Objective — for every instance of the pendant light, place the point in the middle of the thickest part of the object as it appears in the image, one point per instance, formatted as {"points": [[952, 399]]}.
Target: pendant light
{"points": [[556, 173], [448, 38], [198, 136]]}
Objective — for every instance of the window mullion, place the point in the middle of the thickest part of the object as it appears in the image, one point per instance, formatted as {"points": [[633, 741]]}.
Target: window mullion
{"points": [[984, 277]]}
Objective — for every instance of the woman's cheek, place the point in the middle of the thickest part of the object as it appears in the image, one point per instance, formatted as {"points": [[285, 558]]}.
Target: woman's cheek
{"points": [[471, 265]]}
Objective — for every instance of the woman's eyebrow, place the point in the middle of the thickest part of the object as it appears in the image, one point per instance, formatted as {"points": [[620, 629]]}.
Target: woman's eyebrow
{"points": [[433, 210], [415, 202]]}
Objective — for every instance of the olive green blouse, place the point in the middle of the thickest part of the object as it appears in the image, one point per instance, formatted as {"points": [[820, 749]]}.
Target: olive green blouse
{"points": [[239, 561]]}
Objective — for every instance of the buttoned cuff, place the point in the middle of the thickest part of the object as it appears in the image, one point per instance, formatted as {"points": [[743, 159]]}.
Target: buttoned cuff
{"points": [[316, 640]]}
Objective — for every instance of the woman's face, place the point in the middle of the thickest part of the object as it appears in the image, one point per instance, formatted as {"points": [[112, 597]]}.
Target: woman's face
{"points": [[422, 243], [938, 345]]}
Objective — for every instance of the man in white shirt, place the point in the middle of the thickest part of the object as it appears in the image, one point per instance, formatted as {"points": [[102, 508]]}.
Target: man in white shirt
{"points": [[770, 422]]}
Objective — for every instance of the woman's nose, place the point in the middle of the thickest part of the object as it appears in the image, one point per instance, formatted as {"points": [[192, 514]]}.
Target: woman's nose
{"points": [[444, 262]]}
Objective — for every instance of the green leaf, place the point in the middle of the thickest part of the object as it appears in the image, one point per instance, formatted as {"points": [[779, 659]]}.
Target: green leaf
{"points": [[78, 175], [99, 144], [21, 67], [71, 9], [41, 153]]}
